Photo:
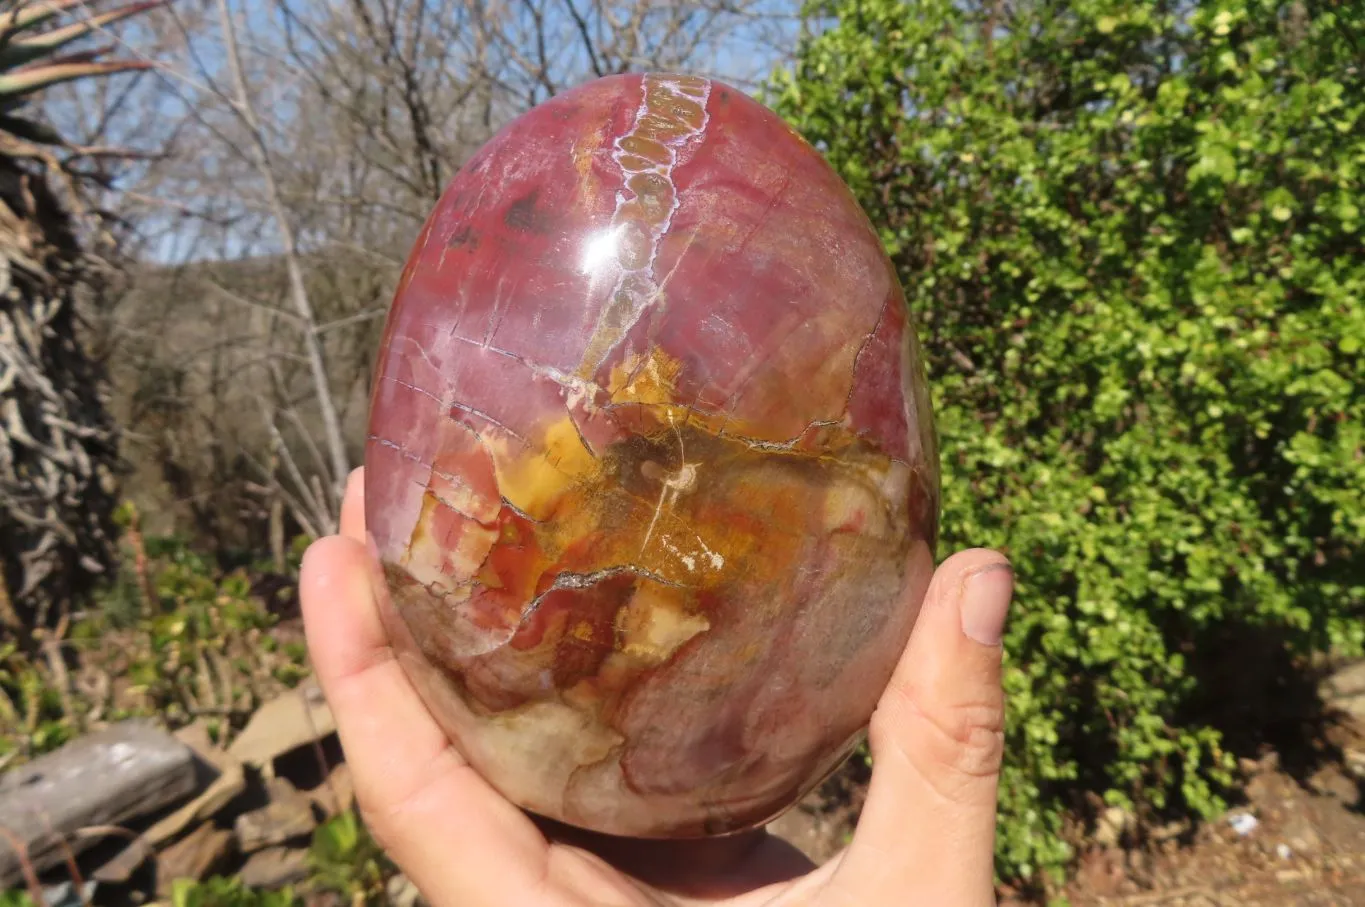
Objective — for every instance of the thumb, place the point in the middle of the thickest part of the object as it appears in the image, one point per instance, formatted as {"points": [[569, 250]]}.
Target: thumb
{"points": [[927, 833]]}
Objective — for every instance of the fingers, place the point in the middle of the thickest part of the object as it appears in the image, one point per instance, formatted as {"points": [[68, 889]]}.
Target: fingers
{"points": [[353, 506], [927, 832], [456, 838]]}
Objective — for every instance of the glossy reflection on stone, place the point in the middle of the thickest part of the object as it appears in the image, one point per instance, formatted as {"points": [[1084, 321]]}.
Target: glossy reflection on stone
{"points": [[651, 467]]}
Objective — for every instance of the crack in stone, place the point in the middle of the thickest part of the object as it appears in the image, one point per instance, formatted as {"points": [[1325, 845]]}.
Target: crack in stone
{"points": [[578, 430], [496, 315], [622, 404], [787, 176], [674, 485], [487, 418], [758, 364], [663, 285], [572, 383], [571, 580], [754, 443], [399, 449], [421, 351], [862, 348], [790, 444], [517, 510], [426, 487], [672, 114], [413, 387], [853, 383]]}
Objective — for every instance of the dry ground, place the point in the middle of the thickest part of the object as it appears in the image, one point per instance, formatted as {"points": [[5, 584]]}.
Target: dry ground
{"points": [[1305, 848]]}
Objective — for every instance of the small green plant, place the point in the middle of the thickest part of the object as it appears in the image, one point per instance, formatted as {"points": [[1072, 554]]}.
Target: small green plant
{"points": [[345, 859], [222, 891], [173, 637], [33, 716], [202, 637]]}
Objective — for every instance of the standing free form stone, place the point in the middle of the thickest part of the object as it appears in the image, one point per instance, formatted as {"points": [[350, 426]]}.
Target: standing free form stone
{"points": [[651, 468]]}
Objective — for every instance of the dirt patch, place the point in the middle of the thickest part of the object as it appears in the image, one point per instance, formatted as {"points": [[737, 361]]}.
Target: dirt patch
{"points": [[1290, 843], [1293, 840], [822, 824]]}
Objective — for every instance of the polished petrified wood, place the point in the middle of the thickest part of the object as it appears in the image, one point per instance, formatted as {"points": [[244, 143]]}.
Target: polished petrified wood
{"points": [[651, 466]]}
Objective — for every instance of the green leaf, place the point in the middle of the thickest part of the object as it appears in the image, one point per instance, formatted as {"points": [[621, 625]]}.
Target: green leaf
{"points": [[1142, 322]]}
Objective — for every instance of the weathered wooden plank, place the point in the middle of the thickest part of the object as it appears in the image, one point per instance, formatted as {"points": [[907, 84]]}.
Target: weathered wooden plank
{"points": [[109, 777]]}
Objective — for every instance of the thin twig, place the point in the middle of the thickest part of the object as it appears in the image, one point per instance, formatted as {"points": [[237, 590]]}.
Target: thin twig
{"points": [[296, 507], [298, 289], [248, 303], [369, 315], [287, 457], [52, 650], [20, 848]]}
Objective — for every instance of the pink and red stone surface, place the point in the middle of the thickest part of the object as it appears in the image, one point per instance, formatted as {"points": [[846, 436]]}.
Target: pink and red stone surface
{"points": [[651, 467]]}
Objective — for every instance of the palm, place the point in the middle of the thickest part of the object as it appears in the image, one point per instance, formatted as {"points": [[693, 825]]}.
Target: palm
{"points": [[926, 834], [751, 869]]}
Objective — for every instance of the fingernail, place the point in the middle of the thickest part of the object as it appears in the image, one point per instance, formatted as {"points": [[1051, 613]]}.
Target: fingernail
{"points": [[985, 602]]}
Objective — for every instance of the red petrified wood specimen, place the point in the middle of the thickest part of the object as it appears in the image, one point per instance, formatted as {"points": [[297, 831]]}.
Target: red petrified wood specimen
{"points": [[651, 467]]}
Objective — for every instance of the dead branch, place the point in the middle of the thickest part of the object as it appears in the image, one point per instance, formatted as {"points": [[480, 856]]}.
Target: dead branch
{"points": [[336, 445]]}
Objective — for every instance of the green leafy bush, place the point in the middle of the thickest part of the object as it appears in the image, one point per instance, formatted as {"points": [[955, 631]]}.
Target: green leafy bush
{"points": [[171, 636], [1131, 236], [205, 638]]}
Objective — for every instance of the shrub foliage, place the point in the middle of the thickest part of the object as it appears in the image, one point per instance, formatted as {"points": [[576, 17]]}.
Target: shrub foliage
{"points": [[1131, 235]]}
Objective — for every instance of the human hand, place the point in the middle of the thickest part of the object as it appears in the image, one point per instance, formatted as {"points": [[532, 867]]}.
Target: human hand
{"points": [[926, 834]]}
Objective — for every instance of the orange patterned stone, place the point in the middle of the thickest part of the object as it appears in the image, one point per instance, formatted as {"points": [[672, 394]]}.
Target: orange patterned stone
{"points": [[651, 468]]}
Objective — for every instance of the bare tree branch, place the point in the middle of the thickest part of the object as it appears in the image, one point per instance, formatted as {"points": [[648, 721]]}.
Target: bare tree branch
{"points": [[336, 445], [294, 150]]}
